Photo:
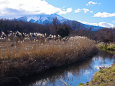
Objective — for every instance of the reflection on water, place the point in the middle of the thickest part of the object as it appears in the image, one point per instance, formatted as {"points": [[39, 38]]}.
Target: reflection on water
{"points": [[74, 74]]}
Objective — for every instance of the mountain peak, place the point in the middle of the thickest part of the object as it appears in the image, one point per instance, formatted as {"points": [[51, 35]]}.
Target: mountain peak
{"points": [[46, 18], [42, 18]]}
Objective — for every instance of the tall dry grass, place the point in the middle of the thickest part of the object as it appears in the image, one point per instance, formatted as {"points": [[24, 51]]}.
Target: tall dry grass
{"points": [[24, 58]]}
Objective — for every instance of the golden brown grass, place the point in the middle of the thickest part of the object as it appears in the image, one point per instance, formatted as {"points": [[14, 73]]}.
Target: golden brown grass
{"points": [[47, 49], [110, 48], [24, 58], [104, 77]]}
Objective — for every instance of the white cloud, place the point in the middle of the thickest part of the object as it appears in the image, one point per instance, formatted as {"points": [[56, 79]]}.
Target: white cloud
{"points": [[113, 21], [68, 10], [91, 11], [91, 2], [19, 7], [102, 24], [104, 14], [88, 23], [77, 10], [84, 10]]}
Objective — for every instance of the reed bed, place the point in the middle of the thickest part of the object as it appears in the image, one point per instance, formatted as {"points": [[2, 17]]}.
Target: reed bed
{"points": [[21, 59]]}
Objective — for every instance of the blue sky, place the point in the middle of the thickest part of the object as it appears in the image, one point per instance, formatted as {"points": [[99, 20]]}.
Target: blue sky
{"points": [[94, 12]]}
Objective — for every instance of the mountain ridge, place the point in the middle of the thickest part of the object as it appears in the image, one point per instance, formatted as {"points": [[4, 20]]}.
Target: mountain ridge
{"points": [[48, 19]]}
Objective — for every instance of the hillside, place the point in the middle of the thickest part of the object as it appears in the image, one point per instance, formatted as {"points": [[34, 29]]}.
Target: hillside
{"points": [[48, 19]]}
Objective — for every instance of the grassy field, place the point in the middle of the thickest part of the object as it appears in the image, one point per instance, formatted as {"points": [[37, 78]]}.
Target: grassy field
{"points": [[110, 48], [21, 59], [105, 77]]}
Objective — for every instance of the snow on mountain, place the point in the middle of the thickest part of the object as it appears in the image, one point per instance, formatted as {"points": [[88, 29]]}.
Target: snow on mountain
{"points": [[41, 19], [44, 18]]}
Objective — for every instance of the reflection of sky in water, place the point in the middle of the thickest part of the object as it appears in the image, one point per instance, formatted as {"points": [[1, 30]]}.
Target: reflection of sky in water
{"points": [[77, 75]]}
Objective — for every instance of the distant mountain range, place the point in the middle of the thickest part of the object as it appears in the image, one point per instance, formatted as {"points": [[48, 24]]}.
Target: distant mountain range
{"points": [[47, 19]]}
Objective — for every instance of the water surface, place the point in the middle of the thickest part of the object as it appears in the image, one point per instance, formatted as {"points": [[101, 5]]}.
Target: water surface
{"points": [[73, 74]]}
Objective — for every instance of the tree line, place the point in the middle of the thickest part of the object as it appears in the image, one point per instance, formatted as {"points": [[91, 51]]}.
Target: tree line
{"points": [[27, 27], [57, 28], [101, 35]]}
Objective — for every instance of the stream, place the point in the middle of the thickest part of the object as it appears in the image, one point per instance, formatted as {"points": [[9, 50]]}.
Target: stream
{"points": [[73, 74]]}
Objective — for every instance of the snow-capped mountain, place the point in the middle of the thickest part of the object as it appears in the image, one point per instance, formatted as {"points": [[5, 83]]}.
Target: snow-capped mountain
{"points": [[44, 19]]}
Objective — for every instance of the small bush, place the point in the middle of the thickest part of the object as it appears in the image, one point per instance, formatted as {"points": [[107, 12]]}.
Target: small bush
{"points": [[81, 84], [101, 71]]}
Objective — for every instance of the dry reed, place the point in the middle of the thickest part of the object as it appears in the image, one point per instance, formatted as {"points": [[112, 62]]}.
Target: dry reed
{"points": [[24, 58]]}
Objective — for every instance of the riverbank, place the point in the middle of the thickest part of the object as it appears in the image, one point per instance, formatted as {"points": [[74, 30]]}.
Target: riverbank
{"points": [[29, 58], [104, 77], [110, 48]]}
